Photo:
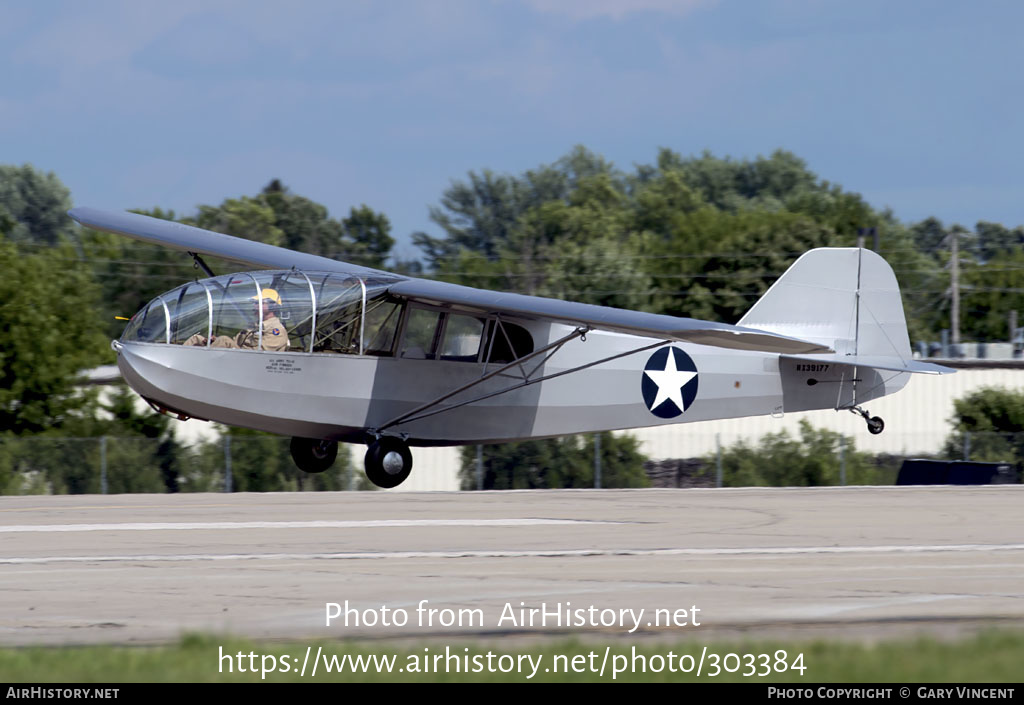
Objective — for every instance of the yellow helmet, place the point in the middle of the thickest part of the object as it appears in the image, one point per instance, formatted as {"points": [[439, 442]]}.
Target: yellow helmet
{"points": [[270, 294]]}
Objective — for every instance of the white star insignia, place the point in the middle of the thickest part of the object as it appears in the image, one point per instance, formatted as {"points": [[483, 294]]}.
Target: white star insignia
{"points": [[670, 382]]}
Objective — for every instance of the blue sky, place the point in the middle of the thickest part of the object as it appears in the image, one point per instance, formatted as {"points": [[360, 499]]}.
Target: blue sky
{"points": [[137, 104]]}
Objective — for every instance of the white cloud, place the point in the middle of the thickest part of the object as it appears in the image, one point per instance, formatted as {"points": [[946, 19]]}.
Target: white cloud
{"points": [[580, 10], [86, 36]]}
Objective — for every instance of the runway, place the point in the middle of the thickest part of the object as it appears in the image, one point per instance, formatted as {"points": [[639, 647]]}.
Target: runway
{"points": [[857, 563]]}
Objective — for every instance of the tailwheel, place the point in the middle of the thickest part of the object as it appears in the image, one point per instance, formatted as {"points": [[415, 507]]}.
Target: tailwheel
{"points": [[875, 423], [388, 462], [312, 454]]}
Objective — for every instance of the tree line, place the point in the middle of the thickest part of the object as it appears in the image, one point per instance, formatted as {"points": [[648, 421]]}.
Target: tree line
{"points": [[699, 236]]}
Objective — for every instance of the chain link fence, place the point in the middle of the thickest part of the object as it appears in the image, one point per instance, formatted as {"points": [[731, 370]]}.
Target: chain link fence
{"points": [[262, 463], [819, 457], [114, 465]]}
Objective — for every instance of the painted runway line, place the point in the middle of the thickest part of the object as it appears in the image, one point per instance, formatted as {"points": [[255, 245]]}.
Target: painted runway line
{"points": [[341, 524], [553, 553]]}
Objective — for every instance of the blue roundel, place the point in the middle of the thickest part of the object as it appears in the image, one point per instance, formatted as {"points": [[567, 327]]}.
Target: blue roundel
{"points": [[669, 382]]}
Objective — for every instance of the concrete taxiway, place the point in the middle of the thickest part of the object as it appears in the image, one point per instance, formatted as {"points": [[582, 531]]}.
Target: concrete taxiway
{"points": [[830, 562]]}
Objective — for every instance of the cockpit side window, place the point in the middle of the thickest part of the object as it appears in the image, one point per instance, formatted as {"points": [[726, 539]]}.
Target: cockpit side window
{"points": [[462, 335], [276, 311], [246, 311], [431, 334], [339, 308], [232, 304], [190, 313], [148, 325], [295, 312], [421, 332], [382, 316]]}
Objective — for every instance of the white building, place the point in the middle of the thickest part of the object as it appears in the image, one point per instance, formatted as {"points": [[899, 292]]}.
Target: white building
{"points": [[917, 421]]}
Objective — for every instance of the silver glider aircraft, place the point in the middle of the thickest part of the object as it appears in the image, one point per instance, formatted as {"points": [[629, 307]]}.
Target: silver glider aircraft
{"points": [[325, 351]]}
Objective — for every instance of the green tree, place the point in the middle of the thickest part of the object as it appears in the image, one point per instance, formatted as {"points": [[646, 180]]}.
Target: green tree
{"points": [[700, 237], [304, 224], [279, 217], [148, 433], [923, 279], [725, 261], [993, 417], [246, 217], [731, 185], [34, 205], [362, 238], [562, 230], [581, 249], [930, 237], [137, 450], [482, 214], [131, 273], [260, 462], [370, 235], [988, 293], [48, 311], [995, 239], [566, 462], [6, 224], [779, 460]]}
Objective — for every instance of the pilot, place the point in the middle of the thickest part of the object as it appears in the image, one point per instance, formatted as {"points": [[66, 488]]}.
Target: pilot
{"points": [[275, 336]]}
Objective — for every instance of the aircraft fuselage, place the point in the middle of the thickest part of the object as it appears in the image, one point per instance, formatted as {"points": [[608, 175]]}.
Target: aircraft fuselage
{"points": [[343, 397]]}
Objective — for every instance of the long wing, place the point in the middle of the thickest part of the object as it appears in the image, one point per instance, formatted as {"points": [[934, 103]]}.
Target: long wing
{"points": [[183, 237], [652, 325]]}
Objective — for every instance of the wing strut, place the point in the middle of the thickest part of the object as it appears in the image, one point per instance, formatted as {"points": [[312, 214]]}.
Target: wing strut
{"points": [[408, 416], [424, 410], [202, 265]]}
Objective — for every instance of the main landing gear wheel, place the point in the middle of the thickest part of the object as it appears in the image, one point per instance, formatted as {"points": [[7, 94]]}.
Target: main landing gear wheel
{"points": [[313, 454], [388, 462]]}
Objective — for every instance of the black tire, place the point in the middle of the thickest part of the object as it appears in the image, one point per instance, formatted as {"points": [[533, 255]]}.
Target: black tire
{"points": [[876, 425], [313, 455], [381, 469]]}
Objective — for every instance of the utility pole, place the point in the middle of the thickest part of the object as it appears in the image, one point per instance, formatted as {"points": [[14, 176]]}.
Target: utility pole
{"points": [[718, 460], [842, 461], [863, 232], [103, 464], [954, 314], [227, 463]]}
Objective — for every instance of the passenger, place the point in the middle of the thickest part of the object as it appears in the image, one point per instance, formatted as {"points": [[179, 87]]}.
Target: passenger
{"points": [[275, 335]]}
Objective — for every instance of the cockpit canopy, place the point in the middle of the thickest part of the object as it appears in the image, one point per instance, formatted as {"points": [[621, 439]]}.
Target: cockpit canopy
{"points": [[322, 312], [274, 310]]}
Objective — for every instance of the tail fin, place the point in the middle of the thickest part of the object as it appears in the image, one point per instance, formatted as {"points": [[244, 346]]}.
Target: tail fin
{"points": [[849, 300], [846, 298]]}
